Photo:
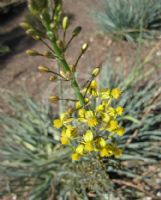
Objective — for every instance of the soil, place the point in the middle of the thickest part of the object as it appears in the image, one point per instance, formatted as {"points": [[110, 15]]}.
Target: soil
{"points": [[18, 71]]}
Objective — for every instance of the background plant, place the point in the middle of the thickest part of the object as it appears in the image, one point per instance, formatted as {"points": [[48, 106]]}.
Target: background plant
{"points": [[129, 19], [141, 143]]}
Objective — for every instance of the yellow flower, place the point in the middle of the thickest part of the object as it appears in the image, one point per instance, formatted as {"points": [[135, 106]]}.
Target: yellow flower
{"points": [[119, 110], [70, 131], [100, 108], [120, 131], [101, 142], [64, 140], [88, 136], [88, 147], [115, 93], [90, 119], [111, 111], [113, 124], [104, 152], [81, 113], [92, 89], [104, 94], [78, 104], [105, 117], [75, 156], [57, 123], [80, 149]]}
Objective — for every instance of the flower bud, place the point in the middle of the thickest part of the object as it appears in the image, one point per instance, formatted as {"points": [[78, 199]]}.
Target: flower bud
{"points": [[66, 75], [69, 110], [48, 54], [76, 31], [65, 23], [54, 99], [25, 26], [53, 25], [84, 47], [33, 52], [42, 68], [36, 37], [52, 78], [30, 32], [96, 71], [59, 43]]}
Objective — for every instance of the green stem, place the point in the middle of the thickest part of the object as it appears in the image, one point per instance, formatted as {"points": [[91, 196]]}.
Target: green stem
{"points": [[66, 68], [60, 90]]}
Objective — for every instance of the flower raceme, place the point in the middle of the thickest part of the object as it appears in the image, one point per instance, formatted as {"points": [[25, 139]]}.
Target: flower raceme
{"points": [[91, 129]]}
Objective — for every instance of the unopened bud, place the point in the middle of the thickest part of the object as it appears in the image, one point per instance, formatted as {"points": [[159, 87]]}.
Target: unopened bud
{"points": [[52, 78], [66, 75], [30, 32], [48, 54], [84, 47], [59, 43], [36, 37], [33, 34], [54, 99], [76, 31], [25, 26], [65, 23], [53, 25], [42, 68], [33, 52], [96, 71], [69, 110], [58, 7]]}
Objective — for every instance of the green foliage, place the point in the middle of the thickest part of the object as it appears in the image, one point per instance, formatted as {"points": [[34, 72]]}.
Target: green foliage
{"points": [[4, 49], [130, 19], [28, 152], [141, 142]]}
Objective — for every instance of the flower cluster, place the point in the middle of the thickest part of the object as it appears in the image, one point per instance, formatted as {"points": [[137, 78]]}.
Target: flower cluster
{"points": [[90, 129]]}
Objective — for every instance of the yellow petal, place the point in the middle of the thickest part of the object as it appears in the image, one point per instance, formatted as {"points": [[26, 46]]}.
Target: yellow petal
{"points": [[64, 140], [88, 147], [115, 93], [91, 122], [80, 149], [75, 156], [57, 123], [119, 110], [104, 152], [88, 136], [101, 142], [120, 131]]}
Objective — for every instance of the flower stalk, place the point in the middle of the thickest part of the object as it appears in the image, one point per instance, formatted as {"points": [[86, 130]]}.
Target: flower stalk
{"points": [[91, 126]]}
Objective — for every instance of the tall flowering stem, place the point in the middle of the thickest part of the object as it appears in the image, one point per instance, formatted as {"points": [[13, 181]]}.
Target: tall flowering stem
{"points": [[91, 126]]}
